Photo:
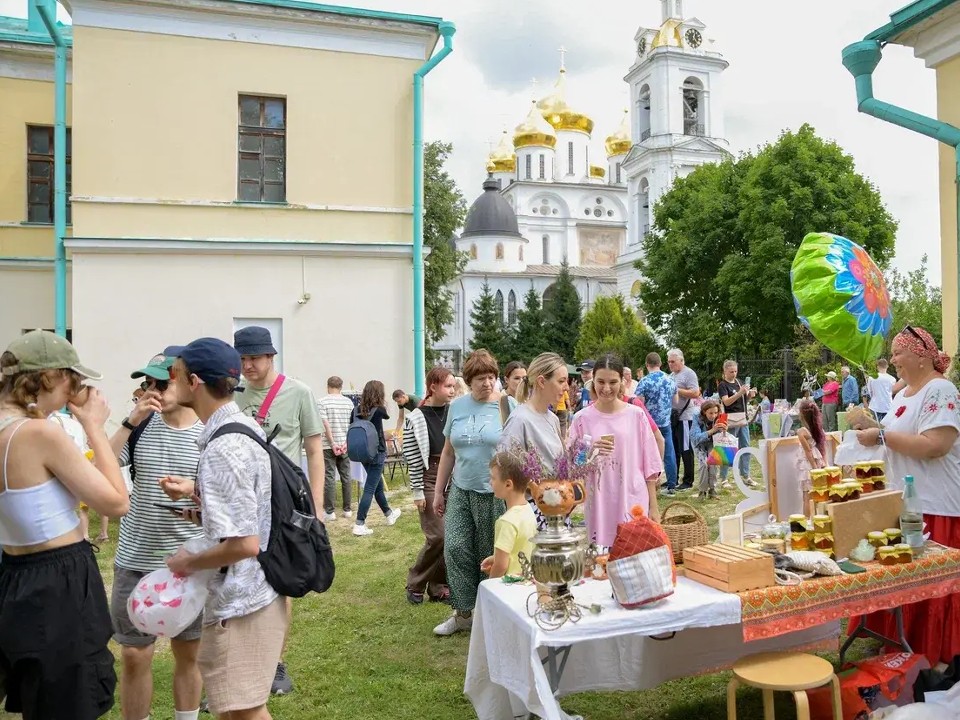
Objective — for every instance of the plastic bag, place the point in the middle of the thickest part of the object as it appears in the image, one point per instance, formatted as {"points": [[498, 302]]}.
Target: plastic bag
{"points": [[165, 604], [850, 451], [725, 447]]}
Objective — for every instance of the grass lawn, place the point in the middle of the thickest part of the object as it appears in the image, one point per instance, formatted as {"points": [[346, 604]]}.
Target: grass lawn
{"points": [[361, 651]]}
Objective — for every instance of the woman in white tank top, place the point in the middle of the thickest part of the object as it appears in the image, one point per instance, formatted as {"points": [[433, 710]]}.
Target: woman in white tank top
{"points": [[54, 619]]}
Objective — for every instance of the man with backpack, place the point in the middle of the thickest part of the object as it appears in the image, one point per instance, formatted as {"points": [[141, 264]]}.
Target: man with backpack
{"points": [[157, 440], [245, 619]]}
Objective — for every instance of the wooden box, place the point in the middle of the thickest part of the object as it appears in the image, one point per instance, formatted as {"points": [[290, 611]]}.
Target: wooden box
{"points": [[853, 519], [729, 568]]}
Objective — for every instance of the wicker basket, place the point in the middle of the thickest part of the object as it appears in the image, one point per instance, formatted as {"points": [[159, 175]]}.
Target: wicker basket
{"points": [[685, 527]]}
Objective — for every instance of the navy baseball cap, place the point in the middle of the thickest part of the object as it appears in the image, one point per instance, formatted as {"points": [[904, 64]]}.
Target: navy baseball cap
{"points": [[587, 365], [211, 359], [173, 350]]}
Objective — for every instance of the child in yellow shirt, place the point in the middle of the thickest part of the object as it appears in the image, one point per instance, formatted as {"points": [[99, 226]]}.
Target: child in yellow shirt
{"points": [[515, 528]]}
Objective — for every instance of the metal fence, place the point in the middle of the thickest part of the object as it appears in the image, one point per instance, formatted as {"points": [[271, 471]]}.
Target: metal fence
{"points": [[782, 375]]}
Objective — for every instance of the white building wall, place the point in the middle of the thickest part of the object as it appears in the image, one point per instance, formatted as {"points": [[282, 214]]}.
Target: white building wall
{"points": [[27, 298]]}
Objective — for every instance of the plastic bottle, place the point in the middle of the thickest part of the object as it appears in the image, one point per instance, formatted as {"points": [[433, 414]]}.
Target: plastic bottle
{"points": [[584, 452], [911, 518]]}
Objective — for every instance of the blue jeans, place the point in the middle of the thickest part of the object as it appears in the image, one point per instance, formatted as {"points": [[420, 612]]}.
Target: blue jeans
{"points": [[669, 456], [743, 436], [373, 488]]}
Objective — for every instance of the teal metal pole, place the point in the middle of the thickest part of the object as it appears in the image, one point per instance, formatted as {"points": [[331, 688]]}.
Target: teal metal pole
{"points": [[861, 59], [447, 30], [48, 13]]}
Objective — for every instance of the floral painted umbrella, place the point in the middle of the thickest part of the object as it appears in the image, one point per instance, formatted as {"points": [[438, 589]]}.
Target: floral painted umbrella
{"points": [[841, 296]]}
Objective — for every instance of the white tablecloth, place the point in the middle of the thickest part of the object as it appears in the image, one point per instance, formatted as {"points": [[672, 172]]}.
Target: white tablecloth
{"points": [[611, 651]]}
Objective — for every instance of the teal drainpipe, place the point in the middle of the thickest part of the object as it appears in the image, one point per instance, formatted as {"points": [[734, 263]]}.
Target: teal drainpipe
{"points": [[48, 13], [861, 59], [447, 29]]}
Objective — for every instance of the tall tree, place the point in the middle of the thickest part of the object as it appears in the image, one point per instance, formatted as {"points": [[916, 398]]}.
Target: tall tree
{"points": [[530, 338], [611, 326], [915, 301], [444, 212], [562, 314], [487, 324], [717, 265]]}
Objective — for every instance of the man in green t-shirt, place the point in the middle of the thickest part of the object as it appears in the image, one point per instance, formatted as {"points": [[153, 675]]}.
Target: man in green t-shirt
{"points": [[405, 402], [292, 415]]}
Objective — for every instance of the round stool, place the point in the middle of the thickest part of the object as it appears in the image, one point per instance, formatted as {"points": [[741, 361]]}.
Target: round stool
{"points": [[783, 671]]}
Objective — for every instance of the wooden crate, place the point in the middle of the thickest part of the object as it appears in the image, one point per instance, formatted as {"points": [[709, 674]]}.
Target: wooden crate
{"points": [[729, 568], [853, 519]]}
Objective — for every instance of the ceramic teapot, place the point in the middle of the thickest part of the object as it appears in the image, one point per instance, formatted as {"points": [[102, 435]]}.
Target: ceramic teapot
{"points": [[557, 497]]}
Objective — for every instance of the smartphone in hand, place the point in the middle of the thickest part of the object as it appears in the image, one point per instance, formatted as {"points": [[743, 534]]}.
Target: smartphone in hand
{"points": [[176, 509], [721, 419]]}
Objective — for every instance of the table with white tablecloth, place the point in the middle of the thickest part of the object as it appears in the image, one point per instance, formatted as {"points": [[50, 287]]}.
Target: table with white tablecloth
{"points": [[514, 667]]}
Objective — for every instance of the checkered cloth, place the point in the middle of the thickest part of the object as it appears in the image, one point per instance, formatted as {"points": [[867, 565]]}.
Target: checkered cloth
{"points": [[640, 564]]}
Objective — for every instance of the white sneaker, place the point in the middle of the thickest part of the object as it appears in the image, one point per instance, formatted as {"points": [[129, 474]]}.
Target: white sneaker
{"points": [[393, 517], [454, 624], [327, 517], [348, 513], [361, 530]]}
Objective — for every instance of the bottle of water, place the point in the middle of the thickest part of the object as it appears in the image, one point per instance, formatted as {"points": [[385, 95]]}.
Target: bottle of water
{"points": [[584, 451], [911, 518]]}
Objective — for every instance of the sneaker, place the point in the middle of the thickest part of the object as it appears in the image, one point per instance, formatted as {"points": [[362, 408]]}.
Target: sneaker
{"points": [[328, 516], [668, 493], [414, 598], [712, 495], [361, 530], [684, 488], [725, 484], [348, 513], [393, 517], [454, 624], [282, 682]]}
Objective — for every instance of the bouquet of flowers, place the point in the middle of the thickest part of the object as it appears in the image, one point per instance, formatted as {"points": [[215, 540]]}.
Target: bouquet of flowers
{"points": [[574, 464]]}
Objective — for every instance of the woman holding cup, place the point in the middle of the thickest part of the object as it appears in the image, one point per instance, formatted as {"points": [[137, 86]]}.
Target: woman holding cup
{"points": [[622, 432]]}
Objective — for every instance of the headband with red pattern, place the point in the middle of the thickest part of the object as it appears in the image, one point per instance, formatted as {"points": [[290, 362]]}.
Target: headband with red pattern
{"points": [[921, 343]]}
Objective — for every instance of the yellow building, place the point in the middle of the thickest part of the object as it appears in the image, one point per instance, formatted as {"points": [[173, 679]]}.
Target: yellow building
{"points": [[239, 162]]}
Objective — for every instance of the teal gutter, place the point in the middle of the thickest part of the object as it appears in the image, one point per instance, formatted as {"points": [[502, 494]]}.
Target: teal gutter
{"points": [[861, 59], [48, 13], [447, 30]]}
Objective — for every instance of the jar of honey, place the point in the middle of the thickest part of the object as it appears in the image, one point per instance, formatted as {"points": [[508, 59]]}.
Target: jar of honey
{"points": [[877, 538], [861, 470], [834, 475], [800, 540], [893, 535], [776, 545], [798, 523], [823, 541], [888, 556], [822, 524], [904, 553]]}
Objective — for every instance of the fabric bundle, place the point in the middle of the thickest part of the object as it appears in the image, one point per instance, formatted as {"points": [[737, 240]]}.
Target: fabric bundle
{"points": [[640, 563]]}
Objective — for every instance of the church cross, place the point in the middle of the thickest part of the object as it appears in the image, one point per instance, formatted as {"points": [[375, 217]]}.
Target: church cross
{"points": [[563, 57]]}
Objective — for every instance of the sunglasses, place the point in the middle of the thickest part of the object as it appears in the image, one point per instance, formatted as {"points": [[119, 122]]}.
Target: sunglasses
{"points": [[918, 336], [160, 385]]}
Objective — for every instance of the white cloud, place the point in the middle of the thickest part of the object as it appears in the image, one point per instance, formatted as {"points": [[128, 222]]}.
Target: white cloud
{"points": [[784, 70]]}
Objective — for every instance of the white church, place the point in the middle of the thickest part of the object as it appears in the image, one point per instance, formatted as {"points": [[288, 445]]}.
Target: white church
{"points": [[552, 195]]}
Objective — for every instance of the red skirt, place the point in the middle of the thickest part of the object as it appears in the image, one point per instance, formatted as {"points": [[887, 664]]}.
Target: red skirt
{"points": [[932, 627]]}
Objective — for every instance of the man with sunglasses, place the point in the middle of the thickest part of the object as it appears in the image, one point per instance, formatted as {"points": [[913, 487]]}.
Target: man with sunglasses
{"points": [[165, 447]]}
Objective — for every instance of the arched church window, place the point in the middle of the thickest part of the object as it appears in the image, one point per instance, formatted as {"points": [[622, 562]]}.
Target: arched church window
{"points": [[548, 294], [546, 249], [498, 304], [473, 251], [543, 167], [511, 308], [693, 109], [635, 289], [499, 251], [643, 113]]}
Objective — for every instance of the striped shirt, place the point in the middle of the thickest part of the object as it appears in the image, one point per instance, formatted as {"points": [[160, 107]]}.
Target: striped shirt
{"points": [[149, 533], [234, 481], [336, 410]]}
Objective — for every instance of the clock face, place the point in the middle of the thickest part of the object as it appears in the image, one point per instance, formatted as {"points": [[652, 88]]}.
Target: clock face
{"points": [[693, 38], [642, 46]]}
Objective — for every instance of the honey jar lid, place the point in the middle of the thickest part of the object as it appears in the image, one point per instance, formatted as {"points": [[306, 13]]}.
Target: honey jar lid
{"points": [[821, 518], [864, 464], [799, 517], [892, 531], [902, 547], [887, 551], [832, 468], [877, 535]]}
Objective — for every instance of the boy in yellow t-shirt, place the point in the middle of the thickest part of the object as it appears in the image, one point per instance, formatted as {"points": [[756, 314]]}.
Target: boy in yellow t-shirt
{"points": [[515, 528]]}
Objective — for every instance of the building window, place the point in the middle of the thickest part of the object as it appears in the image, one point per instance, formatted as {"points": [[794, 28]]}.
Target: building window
{"points": [[499, 251], [543, 167], [262, 149], [40, 190], [619, 180], [546, 249], [473, 251], [693, 115], [528, 164], [511, 308], [569, 158], [520, 254], [498, 304]]}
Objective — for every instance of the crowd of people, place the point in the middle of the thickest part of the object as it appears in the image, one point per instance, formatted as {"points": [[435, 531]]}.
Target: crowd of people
{"points": [[189, 482]]}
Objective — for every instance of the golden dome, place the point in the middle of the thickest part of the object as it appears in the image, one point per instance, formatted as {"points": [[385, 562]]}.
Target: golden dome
{"points": [[534, 131], [560, 115], [668, 35], [619, 143], [503, 158], [597, 171]]}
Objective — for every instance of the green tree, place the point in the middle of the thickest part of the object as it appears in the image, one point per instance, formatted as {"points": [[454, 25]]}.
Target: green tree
{"points": [[717, 265], [487, 324], [562, 315], [611, 326], [444, 212], [915, 301], [530, 337]]}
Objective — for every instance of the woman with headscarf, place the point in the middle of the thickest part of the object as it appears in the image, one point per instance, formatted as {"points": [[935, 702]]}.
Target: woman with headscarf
{"points": [[922, 438]]}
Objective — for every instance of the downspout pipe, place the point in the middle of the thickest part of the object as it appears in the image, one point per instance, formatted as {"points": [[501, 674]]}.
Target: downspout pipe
{"points": [[447, 30], [47, 9], [861, 59]]}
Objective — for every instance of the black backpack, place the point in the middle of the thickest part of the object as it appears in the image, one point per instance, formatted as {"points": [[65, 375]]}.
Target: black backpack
{"points": [[298, 558], [132, 443]]}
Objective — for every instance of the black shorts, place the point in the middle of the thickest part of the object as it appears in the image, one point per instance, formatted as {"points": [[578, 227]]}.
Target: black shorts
{"points": [[54, 630]]}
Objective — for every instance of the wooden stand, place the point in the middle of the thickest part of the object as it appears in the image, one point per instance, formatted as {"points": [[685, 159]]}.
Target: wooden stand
{"points": [[728, 568], [853, 519]]}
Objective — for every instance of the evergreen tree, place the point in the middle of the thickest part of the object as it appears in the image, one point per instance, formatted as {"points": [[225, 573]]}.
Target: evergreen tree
{"points": [[530, 338], [562, 313], [612, 327], [487, 324]]}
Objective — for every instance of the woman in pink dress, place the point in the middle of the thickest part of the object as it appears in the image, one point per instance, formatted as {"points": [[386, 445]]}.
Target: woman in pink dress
{"points": [[629, 477]]}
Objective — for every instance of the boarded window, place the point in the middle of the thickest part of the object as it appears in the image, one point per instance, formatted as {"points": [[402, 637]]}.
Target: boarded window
{"points": [[40, 190], [262, 149]]}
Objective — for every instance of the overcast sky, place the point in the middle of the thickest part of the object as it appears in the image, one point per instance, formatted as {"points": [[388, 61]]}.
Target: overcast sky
{"points": [[784, 70]]}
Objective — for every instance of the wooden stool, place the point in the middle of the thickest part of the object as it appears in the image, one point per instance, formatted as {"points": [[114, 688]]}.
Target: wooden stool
{"points": [[787, 671]]}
